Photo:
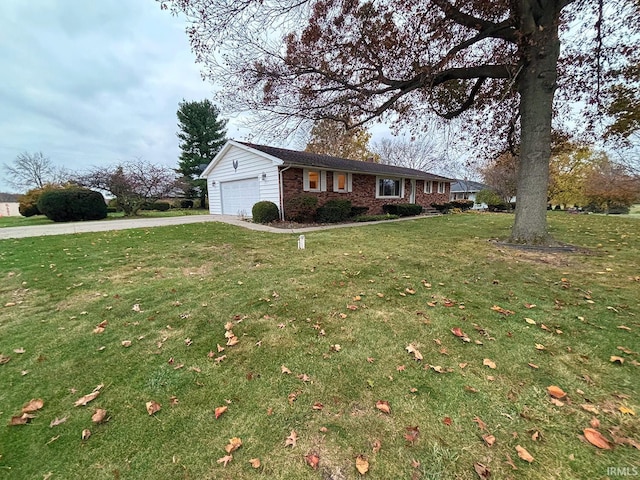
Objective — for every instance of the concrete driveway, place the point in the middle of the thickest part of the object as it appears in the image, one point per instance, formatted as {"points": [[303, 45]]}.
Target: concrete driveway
{"points": [[106, 225]]}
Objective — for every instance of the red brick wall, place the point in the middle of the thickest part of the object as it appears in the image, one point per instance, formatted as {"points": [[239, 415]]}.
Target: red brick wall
{"points": [[363, 193]]}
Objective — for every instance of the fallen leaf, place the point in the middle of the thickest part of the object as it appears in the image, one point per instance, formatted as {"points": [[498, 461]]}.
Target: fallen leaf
{"points": [[510, 462], [489, 440], [136, 308], [317, 406], [469, 388], [335, 348], [489, 363], [377, 445], [86, 433], [312, 460], [539, 346], [624, 327], [153, 407], [533, 365], [21, 419], [447, 421], [284, 369], [556, 402], [482, 470], [416, 353], [501, 310], [594, 422], [234, 444], [126, 343], [412, 434], [291, 439], [304, 377], [57, 421], [383, 406], [523, 454], [220, 410], [255, 462], [99, 415], [362, 464], [594, 437], [228, 325], [33, 405], [530, 321], [481, 424], [628, 410], [4, 359], [535, 435], [173, 400], [232, 341], [556, 392], [88, 397], [615, 358], [19, 351], [225, 460]]}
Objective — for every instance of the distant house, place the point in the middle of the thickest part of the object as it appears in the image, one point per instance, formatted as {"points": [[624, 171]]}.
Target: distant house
{"points": [[243, 174], [467, 190], [9, 204]]}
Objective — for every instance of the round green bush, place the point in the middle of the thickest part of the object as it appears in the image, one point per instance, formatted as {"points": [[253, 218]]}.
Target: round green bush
{"points": [[28, 203], [334, 211], [265, 212], [301, 208], [72, 204]]}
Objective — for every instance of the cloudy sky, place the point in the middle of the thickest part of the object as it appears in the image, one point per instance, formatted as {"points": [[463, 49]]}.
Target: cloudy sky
{"points": [[94, 82]]}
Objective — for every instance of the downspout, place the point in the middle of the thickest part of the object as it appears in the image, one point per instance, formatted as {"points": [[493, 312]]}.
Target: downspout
{"points": [[282, 191]]}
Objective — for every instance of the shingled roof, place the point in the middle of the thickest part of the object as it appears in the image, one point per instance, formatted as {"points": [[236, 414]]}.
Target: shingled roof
{"points": [[306, 159]]}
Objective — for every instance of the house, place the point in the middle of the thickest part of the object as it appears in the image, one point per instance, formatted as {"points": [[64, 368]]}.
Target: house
{"points": [[242, 174], [467, 190]]}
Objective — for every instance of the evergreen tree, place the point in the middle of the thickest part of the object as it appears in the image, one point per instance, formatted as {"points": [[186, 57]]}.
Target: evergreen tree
{"points": [[202, 134]]}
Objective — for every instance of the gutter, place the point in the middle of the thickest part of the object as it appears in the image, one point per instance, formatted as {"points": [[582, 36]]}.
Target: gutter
{"points": [[282, 191]]}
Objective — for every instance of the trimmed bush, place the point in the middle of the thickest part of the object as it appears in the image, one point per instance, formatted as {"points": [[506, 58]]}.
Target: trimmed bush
{"points": [[265, 212], [301, 208], [442, 207], [358, 211], [28, 203], [334, 211], [112, 209], [402, 209], [186, 203], [462, 204], [72, 204], [374, 218], [159, 206]]}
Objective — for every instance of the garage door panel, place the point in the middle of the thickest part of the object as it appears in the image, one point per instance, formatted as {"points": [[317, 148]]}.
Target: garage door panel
{"points": [[239, 196]]}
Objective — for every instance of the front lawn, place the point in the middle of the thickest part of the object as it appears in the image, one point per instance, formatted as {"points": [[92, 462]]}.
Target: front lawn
{"points": [[375, 345]]}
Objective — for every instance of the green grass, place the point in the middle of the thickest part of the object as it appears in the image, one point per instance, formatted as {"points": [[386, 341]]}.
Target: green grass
{"points": [[42, 220], [289, 307]]}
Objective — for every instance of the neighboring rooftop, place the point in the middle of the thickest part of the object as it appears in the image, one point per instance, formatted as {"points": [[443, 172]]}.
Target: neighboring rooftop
{"points": [[306, 159], [464, 186]]}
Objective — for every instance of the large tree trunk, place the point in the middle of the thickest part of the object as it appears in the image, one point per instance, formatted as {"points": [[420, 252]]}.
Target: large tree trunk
{"points": [[537, 84]]}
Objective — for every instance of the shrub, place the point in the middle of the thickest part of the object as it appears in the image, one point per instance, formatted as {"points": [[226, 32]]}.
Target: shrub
{"points": [[462, 204], [334, 211], [442, 207], [186, 203], [72, 204], [265, 212], [112, 209], [301, 208], [28, 203], [374, 218], [159, 206], [358, 211]]}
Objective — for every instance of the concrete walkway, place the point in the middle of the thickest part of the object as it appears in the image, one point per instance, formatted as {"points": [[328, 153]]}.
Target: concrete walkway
{"points": [[107, 225]]}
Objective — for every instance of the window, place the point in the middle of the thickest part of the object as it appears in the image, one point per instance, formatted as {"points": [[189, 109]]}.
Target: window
{"points": [[428, 186], [389, 187], [441, 187], [314, 180], [341, 182]]}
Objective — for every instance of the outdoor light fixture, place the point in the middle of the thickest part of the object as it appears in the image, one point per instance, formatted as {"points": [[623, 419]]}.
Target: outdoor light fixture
{"points": [[264, 177], [213, 183]]}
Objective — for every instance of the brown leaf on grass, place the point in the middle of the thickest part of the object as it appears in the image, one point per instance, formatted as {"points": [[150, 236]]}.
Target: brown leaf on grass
{"points": [[523, 454], [489, 440], [416, 353], [556, 392], [317, 406], [482, 470], [4, 359], [220, 410], [232, 341], [255, 462], [501, 310], [86, 433], [509, 461], [539, 346], [489, 363], [383, 406], [19, 351], [225, 460], [126, 343], [556, 402], [33, 405], [99, 415], [594, 437], [292, 397], [481, 424], [284, 369], [377, 445], [447, 421], [362, 464], [621, 440], [234, 444], [616, 359], [220, 358], [624, 327], [291, 439], [153, 407], [470, 389], [57, 421], [412, 434], [533, 365], [590, 408], [312, 460], [627, 410], [22, 419], [88, 397], [594, 422], [304, 377]]}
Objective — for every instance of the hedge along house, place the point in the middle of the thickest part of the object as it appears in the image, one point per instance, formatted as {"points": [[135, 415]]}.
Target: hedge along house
{"points": [[242, 174]]}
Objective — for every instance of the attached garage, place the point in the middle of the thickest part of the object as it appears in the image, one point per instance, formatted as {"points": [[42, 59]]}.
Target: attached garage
{"points": [[239, 196]]}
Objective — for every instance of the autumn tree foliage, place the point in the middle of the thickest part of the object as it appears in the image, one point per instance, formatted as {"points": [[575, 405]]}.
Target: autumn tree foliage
{"points": [[569, 171], [329, 137], [496, 65], [611, 186], [133, 184], [502, 176]]}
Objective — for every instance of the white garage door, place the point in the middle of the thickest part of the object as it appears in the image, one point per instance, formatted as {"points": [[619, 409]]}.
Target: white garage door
{"points": [[239, 196]]}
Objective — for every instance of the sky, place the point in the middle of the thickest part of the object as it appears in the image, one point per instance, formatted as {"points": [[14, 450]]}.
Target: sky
{"points": [[91, 83]]}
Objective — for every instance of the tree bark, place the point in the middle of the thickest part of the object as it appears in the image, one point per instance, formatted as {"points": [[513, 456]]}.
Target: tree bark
{"points": [[537, 85]]}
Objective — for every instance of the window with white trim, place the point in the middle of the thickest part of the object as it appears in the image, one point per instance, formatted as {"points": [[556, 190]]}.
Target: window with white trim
{"points": [[341, 182], [314, 180], [388, 187], [428, 186], [441, 187]]}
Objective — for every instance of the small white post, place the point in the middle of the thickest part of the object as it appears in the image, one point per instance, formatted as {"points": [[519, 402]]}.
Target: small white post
{"points": [[301, 244]]}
